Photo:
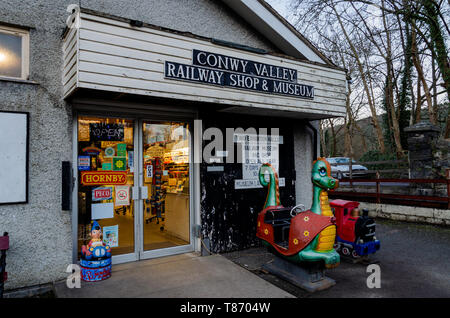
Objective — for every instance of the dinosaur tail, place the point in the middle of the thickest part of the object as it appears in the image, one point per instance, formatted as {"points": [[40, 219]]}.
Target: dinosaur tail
{"points": [[273, 191]]}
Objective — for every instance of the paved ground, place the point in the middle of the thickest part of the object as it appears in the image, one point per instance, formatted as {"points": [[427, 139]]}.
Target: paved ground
{"points": [[180, 276], [414, 261]]}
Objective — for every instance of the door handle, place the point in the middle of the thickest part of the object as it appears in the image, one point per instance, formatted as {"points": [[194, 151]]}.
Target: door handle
{"points": [[135, 192], [144, 192], [139, 193]]}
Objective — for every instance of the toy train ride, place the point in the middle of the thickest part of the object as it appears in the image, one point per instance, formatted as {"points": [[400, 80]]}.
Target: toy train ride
{"points": [[314, 235], [355, 232]]}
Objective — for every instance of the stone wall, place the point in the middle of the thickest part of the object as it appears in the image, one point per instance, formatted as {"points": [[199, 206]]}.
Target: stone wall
{"points": [[441, 157], [429, 156], [408, 213]]}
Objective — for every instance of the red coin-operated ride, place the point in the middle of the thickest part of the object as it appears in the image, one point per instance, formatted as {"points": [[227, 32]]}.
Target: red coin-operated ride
{"points": [[294, 233], [355, 231]]}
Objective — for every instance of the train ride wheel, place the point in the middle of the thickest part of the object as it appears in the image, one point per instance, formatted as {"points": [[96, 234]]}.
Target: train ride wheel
{"points": [[355, 255], [345, 251]]}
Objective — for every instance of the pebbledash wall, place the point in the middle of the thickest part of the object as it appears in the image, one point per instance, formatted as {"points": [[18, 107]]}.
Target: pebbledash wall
{"points": [[40, 231]]}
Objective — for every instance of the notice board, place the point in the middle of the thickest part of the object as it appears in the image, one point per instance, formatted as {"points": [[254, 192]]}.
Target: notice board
{"points": [[13, 157]]}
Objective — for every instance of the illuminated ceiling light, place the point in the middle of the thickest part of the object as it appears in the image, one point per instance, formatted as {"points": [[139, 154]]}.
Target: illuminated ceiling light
{"points": [[2, 57]]}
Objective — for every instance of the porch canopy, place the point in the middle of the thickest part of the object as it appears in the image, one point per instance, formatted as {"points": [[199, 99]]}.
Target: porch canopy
{"points": [[112, 54]]}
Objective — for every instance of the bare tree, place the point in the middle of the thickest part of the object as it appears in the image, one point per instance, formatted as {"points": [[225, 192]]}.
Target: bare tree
{"points": [[395, 52]]}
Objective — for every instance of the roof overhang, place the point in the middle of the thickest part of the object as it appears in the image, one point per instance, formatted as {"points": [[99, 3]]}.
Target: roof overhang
{"points": [[107, 53], [276, 29]]}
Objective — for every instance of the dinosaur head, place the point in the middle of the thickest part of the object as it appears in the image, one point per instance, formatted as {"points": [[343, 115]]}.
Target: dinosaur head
{"points": [[273, 192], [321, 175]]}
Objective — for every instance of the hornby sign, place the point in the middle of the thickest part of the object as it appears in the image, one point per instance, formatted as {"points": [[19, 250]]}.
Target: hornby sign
{"points": [[103, 177]]}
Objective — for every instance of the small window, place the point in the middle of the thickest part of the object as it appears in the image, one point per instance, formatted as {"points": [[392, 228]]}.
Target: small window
{"points": [[14, 53]]}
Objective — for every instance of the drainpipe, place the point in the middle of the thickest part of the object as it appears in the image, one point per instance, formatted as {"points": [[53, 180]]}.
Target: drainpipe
{"points": [[315, 133]]}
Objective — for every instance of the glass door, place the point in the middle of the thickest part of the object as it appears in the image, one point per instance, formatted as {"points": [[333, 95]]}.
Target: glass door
{"points": [[165, 183], [106, 176], [134, 180]]}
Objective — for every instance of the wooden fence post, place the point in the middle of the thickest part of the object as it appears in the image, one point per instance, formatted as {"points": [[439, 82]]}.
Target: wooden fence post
{"points": [[350, 171], [448, 193], [448, 188], [378, 187]]}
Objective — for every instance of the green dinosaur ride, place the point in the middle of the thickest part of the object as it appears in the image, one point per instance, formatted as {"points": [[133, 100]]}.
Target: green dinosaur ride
{"points": [[300, 236]]}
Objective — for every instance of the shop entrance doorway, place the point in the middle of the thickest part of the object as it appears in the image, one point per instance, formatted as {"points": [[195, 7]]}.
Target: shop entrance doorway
{"points": [[165, 181], [134, 180]]}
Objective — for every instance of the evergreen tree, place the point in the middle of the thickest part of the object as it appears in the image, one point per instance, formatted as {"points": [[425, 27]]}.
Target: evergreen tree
{"points": [[404, 103], [386, 123]]}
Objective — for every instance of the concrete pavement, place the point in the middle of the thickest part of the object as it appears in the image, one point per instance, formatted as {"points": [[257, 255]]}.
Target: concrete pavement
{"points": [[414, 262], [413, 259], [179, 276]]}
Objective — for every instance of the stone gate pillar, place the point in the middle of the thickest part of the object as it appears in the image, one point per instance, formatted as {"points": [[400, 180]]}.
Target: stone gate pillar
{"points": [[422, 139]]}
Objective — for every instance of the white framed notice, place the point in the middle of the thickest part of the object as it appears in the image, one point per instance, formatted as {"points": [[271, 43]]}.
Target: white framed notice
{"points": [[257, 149], [13, 157]]}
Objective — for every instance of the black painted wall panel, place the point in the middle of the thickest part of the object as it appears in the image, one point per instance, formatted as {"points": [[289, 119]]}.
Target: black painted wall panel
{"points": [[229, 216]]}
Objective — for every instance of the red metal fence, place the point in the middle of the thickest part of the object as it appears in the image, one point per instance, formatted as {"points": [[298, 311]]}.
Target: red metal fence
{"points": [[432, 201]]}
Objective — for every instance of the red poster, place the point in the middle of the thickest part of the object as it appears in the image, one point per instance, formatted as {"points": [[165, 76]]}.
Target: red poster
{"points": [[102, 193]]}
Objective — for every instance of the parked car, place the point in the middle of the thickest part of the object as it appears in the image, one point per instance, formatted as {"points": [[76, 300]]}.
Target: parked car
{"points": [[340, 168]]}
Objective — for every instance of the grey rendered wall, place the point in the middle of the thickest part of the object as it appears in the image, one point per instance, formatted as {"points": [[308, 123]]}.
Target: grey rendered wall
{"points": [[40, 233], [209, 18], [303, 154]]}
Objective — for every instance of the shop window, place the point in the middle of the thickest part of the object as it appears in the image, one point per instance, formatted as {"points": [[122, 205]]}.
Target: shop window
{"points": [[14, 53], [106, 175]]}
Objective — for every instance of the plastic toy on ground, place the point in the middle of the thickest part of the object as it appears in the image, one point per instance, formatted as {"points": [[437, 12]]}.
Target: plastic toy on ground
{"points": [[355, 237], [95, 259]]}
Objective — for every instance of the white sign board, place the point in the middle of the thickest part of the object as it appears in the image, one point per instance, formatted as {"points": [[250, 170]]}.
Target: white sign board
{"points": [[102, 211], [13, 157], [257, 150], [122, 195], [253, 183]]}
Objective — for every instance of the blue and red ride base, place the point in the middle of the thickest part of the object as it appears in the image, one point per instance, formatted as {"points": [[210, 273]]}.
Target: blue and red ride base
{"points": [[95, 270]]}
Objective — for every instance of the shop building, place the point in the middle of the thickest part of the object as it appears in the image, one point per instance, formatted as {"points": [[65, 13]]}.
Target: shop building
{"points": [[143, 117]]}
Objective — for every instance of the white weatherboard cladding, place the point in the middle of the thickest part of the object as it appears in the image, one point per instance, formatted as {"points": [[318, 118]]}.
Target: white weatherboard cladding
{"points": [[110, 55]]}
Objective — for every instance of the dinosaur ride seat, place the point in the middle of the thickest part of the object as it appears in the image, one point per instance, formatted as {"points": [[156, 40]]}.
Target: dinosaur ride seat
{"points": [[280, 219]]}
